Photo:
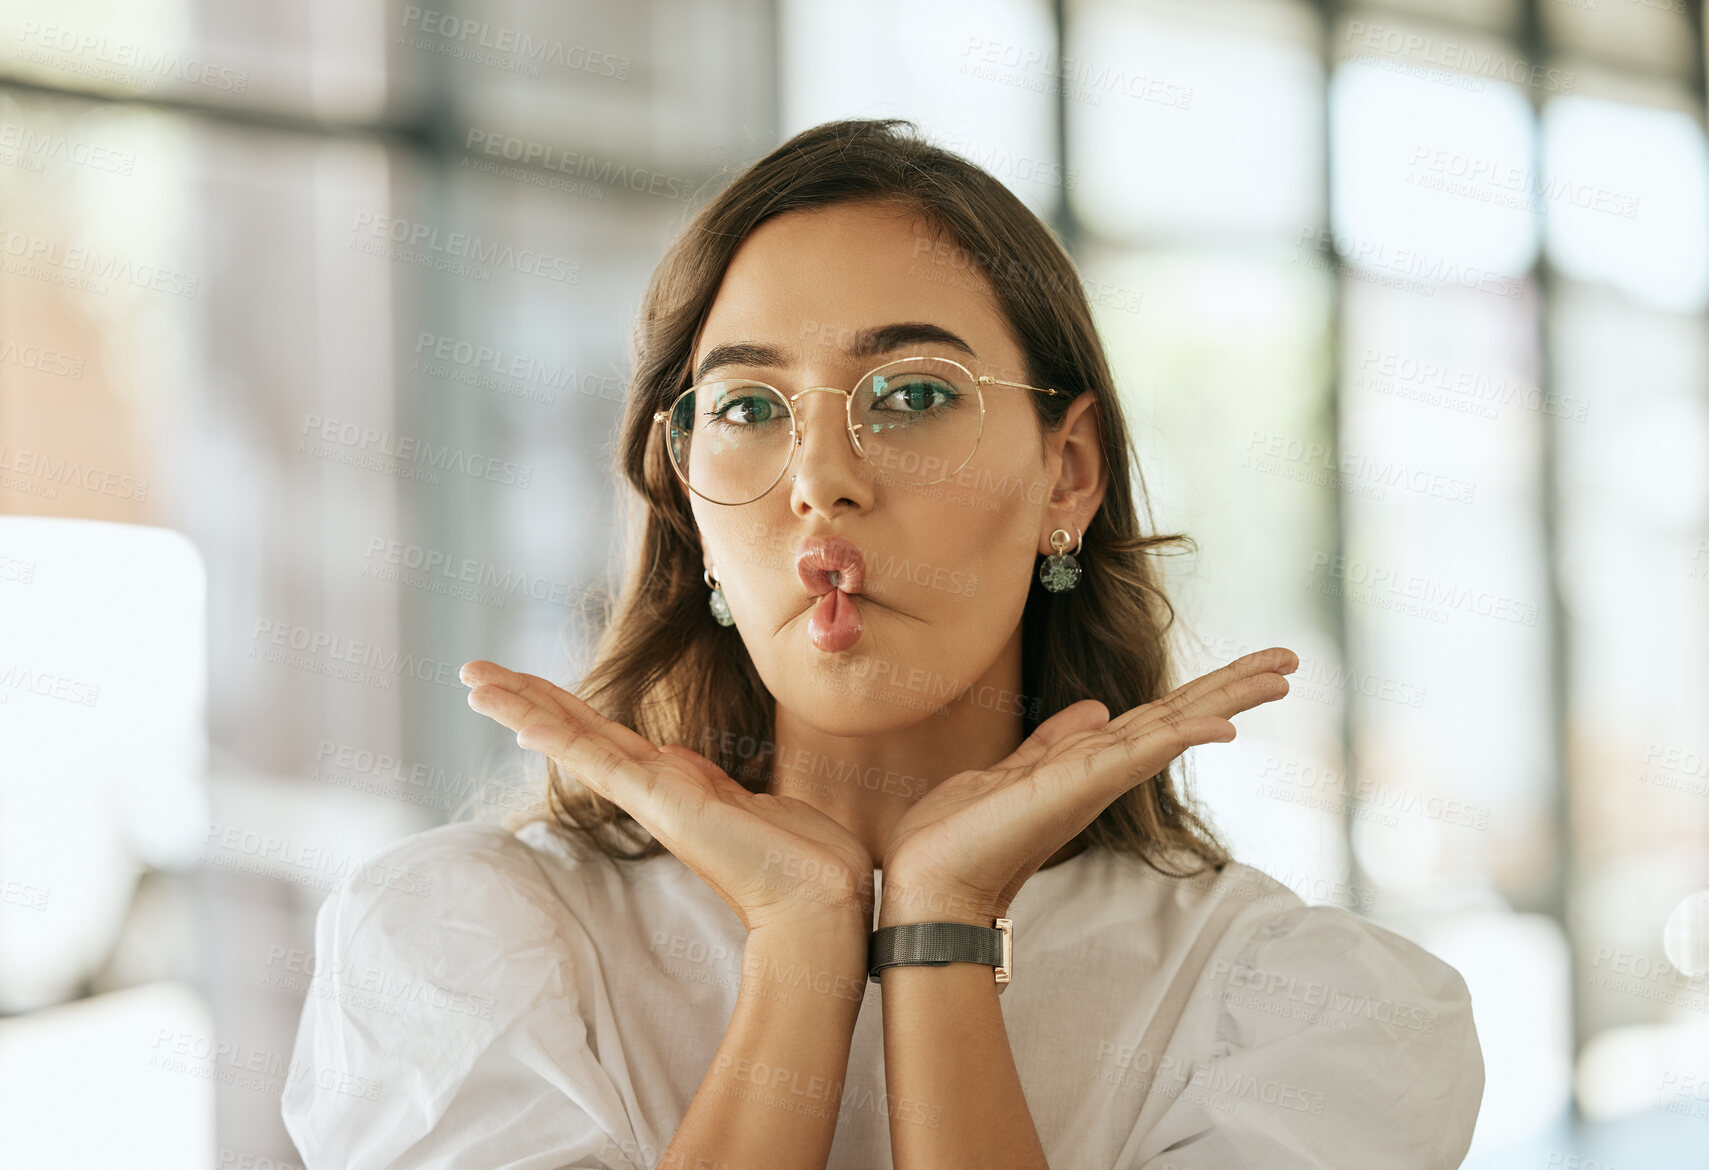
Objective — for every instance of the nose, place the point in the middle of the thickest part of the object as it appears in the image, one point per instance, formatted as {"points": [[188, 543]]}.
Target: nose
{"points": [[827, 465]]}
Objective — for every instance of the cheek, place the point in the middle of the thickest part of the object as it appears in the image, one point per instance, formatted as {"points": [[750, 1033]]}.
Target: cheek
{"points": [[968, 581], [746, 551]]}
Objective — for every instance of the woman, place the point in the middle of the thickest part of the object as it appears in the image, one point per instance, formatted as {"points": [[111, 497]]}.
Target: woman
{"points": [[869, 397]]}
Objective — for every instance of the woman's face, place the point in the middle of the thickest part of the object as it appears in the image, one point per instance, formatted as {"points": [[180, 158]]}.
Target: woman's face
{"points": [[947, 567]]}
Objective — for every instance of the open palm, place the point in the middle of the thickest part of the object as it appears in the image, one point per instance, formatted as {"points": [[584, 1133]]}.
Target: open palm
{"points": [[769, 857], [970, 843]]}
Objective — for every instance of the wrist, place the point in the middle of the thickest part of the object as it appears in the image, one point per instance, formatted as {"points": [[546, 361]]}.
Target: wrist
{"points": [[825, 953], [906, 899], [824, 933]]}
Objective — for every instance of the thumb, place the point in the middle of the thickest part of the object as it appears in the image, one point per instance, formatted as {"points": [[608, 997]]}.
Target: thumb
{"points": [[1085, 715]]}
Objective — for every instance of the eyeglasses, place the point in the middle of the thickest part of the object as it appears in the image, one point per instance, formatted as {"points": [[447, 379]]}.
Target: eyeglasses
{"points": [[917, 420]]}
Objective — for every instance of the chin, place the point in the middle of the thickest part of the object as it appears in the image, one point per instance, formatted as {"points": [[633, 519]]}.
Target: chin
{"points": [[851, 705]]}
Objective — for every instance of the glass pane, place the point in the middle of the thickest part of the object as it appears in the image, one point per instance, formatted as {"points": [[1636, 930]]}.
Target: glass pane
{"points": [[1646, 36], [1635, 575], [1433, 183], [978, 78], [323, 60], [1628, 186], [1203, 123], [1223, 374]]}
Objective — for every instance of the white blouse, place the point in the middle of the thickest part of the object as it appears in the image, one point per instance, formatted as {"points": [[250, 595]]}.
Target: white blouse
{"points": [[485, 999]]}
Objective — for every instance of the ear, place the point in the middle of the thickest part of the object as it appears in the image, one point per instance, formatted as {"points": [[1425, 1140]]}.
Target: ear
{"points": [[1081, 475]]}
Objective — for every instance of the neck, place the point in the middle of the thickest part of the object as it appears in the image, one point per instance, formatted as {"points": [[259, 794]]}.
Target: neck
{"points": [[867, 782]]}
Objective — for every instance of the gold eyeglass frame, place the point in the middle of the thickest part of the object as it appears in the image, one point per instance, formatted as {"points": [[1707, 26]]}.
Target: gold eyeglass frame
{"points": [[980, 381]]}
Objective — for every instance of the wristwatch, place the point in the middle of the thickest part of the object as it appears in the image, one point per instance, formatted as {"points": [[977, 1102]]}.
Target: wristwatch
{"points": [[934, 944]]}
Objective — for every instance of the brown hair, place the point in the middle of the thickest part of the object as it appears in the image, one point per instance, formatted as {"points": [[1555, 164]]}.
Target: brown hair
{"points": [[665, 668]]}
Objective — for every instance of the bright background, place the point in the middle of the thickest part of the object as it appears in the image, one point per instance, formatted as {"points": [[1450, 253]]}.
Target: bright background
{"points": [[1406, 301]]}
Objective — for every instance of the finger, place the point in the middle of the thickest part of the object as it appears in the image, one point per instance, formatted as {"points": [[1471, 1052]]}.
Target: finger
{"points": [[575, 735], [1242, 684], [658, 798], [579, 710], [550, 695], [1085, 715], [1119, 761], [1233, 697], [529, 719], [510, 708]]}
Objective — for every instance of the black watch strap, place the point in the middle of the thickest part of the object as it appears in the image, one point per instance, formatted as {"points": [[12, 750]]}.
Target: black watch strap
{"points": [[935, 944]]}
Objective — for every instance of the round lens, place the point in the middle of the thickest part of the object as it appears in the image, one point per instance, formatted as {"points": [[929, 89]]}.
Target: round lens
{"points": [[730, 440], [918, 419]]}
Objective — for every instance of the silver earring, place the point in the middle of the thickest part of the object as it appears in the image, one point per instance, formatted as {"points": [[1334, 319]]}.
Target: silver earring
{"points": [[720, 607], [1060, 571]]}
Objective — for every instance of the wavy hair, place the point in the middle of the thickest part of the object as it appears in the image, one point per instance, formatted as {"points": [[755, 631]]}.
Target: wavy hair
{"points": [[663, 667]]}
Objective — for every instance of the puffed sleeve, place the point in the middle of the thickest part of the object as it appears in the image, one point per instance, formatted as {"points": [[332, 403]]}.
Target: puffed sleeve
{"points": [[443, 1028], [1333, 1043]]}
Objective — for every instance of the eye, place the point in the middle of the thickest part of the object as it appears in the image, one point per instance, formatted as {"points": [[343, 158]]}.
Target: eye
{"points": [[911, 395], [744, 410]]}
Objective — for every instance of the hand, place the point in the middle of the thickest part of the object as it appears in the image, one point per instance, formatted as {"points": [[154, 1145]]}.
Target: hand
{"points": [[965, 849], [773, 859]]}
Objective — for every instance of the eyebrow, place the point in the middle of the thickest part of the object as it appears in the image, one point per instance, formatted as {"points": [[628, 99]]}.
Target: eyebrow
{"points": [[867, 343]]}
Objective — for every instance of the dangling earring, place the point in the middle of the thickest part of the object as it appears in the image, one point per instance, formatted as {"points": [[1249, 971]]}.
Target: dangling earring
{"points": [[1060, 571], [720, 607]]}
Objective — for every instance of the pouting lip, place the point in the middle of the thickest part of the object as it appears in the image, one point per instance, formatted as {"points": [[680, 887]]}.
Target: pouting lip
{"points": [[818, 557]]}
